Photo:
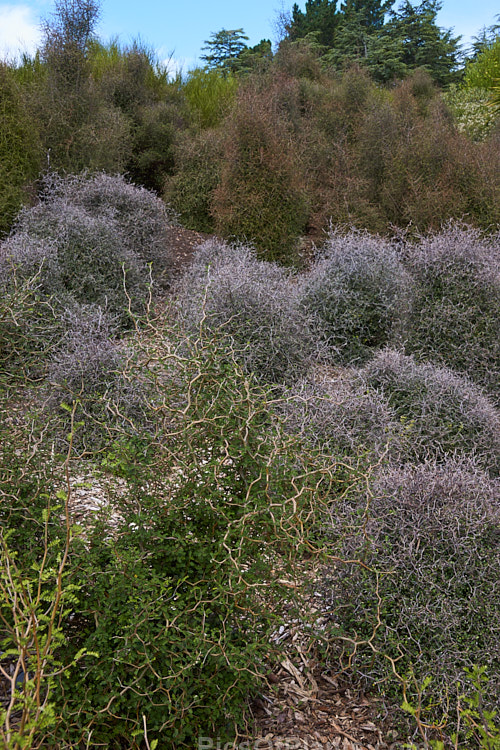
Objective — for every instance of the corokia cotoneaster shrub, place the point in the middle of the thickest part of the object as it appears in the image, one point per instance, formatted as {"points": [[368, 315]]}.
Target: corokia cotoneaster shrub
{"points": [[432, 532], [251, 304], [456, 310], [440, 411], [141, 216], [88, 368], [338, 413], [359, 293]]}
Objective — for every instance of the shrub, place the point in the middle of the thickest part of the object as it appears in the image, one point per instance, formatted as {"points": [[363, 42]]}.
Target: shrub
{"points": [[92, 257], [142, 218], [198, 163], [174, 598], [337, 413], [431, 532], [470, 109], [358, 292], [442, 412], [29, 328], [86, 372], [209, 94], [455, 315], [262, 196], [20, 153], [252, 306]]}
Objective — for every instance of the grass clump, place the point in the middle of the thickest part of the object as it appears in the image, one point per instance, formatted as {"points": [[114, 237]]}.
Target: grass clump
{"points": [[359, 293], [454, 321], [442, 413], [253, 306]]}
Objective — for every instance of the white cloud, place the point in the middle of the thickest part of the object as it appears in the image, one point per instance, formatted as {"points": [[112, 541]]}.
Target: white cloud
{"points": [[19, 31]]}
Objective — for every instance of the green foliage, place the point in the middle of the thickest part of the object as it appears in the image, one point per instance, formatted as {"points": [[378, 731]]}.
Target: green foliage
{"points": [[223, 48], [484, 71], [209, 94], [262, 196], [173, 600], [320, 17], [470, 109], [198, 164], [20, 154]]}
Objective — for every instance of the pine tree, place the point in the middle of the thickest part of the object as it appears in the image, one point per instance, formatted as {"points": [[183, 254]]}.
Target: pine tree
{"points": [[223, 49], [320, 18]]}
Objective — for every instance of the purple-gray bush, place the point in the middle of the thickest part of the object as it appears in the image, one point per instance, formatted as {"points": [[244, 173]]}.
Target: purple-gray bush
{"points": [[359, 292], [338, 413], [433, 534], [457, 303], [442, 413], [250, 305]]}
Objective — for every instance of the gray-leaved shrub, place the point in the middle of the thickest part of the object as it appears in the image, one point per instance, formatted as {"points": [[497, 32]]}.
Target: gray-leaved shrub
{"points": [[142, 217], [455, 316], [359, 292], [432, 531], [251, 304], [338, 412], [442, 412], [79, 257]]}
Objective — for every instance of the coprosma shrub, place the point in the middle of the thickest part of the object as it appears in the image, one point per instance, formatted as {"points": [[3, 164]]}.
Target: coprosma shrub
{"points": [[262, 197]]}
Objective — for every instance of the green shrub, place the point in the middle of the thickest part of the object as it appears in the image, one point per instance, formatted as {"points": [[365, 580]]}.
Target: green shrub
{"points": [[254, 308], [470, 109], [443, 413], [209, 94], [198, 164], [174, 596], [359, 293], [455, 314], [262, 196], [20, 153], [431, 533]]}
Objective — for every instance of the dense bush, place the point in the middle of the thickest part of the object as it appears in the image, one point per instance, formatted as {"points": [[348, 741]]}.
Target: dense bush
{"points": [[142, 218], [442, 412], [359, 292], [431, 532], [198, 163], [337, 413], [172, 599], [20, 153], [262, 196], [87, 372], [455, 313], [89, 240], [250, 304]]}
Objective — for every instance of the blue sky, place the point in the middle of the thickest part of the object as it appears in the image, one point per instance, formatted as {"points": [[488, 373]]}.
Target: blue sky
{"points": [[178, 28]]}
